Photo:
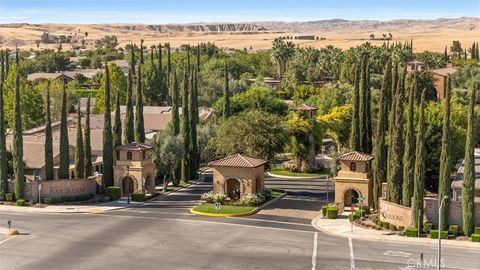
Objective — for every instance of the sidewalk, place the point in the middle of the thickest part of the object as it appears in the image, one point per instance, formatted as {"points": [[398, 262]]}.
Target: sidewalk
{"points": [[342, 227]]}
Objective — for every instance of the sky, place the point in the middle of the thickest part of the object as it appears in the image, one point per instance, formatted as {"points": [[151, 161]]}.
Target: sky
{"points": [[192, 11]]}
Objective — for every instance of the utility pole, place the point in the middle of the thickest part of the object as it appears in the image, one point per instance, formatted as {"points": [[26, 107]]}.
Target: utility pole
{"points": [[440, 232]]}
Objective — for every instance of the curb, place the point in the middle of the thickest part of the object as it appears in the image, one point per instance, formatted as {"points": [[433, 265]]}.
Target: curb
{"points": [[252, 212], [296, 177], [392, 241]]}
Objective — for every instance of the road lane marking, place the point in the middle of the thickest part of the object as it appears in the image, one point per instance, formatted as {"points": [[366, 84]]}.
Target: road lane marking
{"points": [[5, 240], [314, 255], [352, 259], [394, 253], [273, 221], [156, 212]]}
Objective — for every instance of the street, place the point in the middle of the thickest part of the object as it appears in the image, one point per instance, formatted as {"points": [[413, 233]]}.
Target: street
{"points": [[162, 234]]}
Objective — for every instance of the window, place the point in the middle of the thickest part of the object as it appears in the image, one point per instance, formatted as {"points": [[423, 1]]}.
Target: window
{"points": [[459, 195], [144, 155], [353, 166], [118, 154], [129, 155]]}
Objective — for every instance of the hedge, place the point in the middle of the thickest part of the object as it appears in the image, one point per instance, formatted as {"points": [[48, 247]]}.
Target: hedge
{"points": [[453, 229], [427, 227], [392, 227], [332, 212], [9, 197], [411, 232], [361, 213], [20, 202], [401, 228], [353, 216], [375, 220], [76, 198], [476, 237], [47, 200], [386, 225], [324, 210], [477, 230], [114, 193], [138, 197], [434, 234]]}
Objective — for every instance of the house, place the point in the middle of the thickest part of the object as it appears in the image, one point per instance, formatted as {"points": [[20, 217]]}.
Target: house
{"points": [[440, 80], [65, 75], [415, 66], [458, 181]]}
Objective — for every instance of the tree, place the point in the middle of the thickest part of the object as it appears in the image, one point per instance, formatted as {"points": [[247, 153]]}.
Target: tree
{"points": [[132, 60], [18, 165], [141, 52], [49, 172], [355, 135], [395, 151], [3, 148], [79, 148], [185, 130], [281, 53], [254, 133], [117, 126], [468, 186], [139, 124], [193, 117], [107, 136], [87, 144], [364, 113], [302, 129], [409, 153], [152, 84], [63, 170], [107, 43], [175, 104], [335, 123], [226, 96], [118, 85], [129, 133], [445, 159], [380, 149], [168, 151]]}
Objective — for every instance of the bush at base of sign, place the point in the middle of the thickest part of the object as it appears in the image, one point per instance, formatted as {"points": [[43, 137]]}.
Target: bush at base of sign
{"points": [[453, 229], [138, 197], [476, 237], [76, 198], [353, 216], [411, 232], [324, 210], [427, 227], [20, 202], [9, 197], [434, 234], [332, 212], [113, 193], [476, 230], [385, 225]]}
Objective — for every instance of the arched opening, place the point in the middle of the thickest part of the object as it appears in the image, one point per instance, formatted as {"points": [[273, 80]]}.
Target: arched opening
{"points": [[129, 155], [232, 188], [128, 185], [350, 197], [353, 166]]}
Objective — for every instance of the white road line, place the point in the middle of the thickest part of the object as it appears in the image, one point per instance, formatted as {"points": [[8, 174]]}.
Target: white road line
{"points": [[157, 212], [352, 259], [314, 254], [5, 240], [273, 221]]}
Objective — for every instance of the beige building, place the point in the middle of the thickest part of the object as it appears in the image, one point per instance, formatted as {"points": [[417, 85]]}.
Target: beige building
{"points": [[354, 179], [237, 175], [134, 171], [457, 183], [440, 76]]}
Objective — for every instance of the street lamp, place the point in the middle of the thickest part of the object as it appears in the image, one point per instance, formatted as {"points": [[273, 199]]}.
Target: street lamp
{"points": [[440, 231]]}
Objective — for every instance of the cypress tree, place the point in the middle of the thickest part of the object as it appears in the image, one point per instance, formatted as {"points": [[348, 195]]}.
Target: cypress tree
{"points": [[79, 149], [107, 135], [409, 154], [169, 62], [139, 125], [473, 54], [63, 170], [2, 67], [364, 106], [395, 151], [129, 133], [193, 110], [7, 63], [419, 170], [368, 106], [151, 53], [117, 125], [445, 54], [476, 51], [468, 186], [87, 144], [198, 58], [49, 172], [392, 97], [160, 64], [17, 152], [185, 130], [465, 54], [355, 130], [175, 103], [445, 159], [132, 59], [380, 161], [226, 96], [3, 148], [141, 52]]}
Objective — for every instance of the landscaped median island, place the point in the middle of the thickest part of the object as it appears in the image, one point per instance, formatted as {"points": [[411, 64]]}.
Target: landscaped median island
{"points": [[247, 205], [281, 171]]}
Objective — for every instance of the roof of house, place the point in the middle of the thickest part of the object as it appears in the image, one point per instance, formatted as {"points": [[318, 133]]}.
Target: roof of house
{"points": [[458, 181], [415, 62], [355, 156], [305, 107], [134, 146], [238, 161], [444, 71], [47, 76]]}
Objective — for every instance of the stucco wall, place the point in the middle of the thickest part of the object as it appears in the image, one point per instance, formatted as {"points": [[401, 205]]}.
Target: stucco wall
{"points": [[455, 212], [395, 214]]}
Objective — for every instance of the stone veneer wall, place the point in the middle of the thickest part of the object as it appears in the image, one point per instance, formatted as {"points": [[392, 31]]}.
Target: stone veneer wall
{"points": [[395, 214], [455, 212]]}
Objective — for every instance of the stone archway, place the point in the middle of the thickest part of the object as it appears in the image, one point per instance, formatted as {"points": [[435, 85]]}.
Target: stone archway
{"points": [[128, 185], [350, 196], [232, 188]]}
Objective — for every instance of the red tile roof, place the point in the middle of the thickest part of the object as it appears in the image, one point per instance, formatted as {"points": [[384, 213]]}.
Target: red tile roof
{"points": [[134, 146], [305, 107], [237, 161], [444, 71], [355, 156]]}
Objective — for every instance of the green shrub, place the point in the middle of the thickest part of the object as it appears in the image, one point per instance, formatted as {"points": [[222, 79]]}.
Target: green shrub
{"points": [[453, 229], [401, 228], [434, 234], [392, 227], [411, 232], [47, 200], [138, 197], [324, 210], [427, 227], [361, 213], [211, 197], [114, 193], [9, 197], [332, 212], [386, 225], [353, 216], [476, 230], [20, 202], [476, 237], [375, 220]]}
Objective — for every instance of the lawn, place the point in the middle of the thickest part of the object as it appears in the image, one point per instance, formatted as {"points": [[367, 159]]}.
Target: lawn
{"points": [[283, 172], [226, 209]]}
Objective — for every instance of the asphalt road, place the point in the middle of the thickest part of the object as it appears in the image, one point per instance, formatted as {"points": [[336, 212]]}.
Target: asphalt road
{"points": [[164, 235]]}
